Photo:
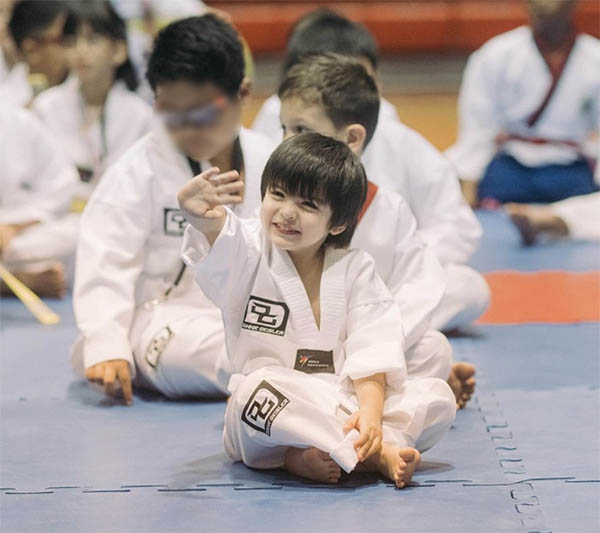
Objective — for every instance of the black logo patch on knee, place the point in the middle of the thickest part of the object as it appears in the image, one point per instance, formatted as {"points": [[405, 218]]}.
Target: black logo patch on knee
{"points": [[157, 346], [263, 407]]}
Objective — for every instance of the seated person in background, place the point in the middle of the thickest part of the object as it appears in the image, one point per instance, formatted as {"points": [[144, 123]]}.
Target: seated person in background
{"points": [[139, 312], [95, 117], [38, 183], [323, 31], [95, 114], [319, 378], [577, 217], [36, 57], [529, 103], [334, 95], [399, 160]]}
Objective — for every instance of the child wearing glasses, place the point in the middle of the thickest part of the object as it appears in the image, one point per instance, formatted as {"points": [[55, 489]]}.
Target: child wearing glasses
{"points": [[141, 317]]}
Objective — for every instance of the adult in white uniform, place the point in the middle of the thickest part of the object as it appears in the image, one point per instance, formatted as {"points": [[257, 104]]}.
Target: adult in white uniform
{"points": [[138, 312], [529, 102], [299, 353]]}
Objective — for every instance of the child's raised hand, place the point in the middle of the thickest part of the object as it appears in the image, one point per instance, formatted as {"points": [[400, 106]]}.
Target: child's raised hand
{"points": [[371, 433], [205, 195], [111, 373]]}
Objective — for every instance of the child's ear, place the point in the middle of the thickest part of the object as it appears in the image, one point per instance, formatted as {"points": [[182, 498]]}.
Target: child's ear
{"points": [[120, 55], [245, 88], [355, 137], [337, 230]]}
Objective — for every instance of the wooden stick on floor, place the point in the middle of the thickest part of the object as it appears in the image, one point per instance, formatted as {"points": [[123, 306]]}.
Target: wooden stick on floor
{"points": [[31, 300]]}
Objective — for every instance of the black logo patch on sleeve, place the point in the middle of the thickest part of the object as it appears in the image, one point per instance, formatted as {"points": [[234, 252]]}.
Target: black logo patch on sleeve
{"points": [[314, 362], [266, 316], [174, 221], [263, 407]]}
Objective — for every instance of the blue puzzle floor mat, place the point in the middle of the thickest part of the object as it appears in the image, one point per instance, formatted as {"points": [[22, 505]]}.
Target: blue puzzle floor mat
{"points": [[523, 456]]}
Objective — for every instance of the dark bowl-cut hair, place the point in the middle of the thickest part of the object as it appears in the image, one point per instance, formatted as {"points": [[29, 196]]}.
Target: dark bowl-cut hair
{"points": [[323, 169], [104, 20], [202, 49], [340, 85], [31, 17], [324, 30]]}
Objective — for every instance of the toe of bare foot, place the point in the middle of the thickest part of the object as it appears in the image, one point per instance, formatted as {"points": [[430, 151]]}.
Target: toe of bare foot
{"points": [[410, 458]]}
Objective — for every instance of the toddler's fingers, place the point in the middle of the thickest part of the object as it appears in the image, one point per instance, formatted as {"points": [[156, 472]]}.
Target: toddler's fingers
{"points": [[374, 448], [232, 187], [226, 177], [351, 422]]}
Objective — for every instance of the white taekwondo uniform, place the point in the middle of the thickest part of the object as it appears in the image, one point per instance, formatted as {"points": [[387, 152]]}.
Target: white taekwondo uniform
{"points": [[38, 182], [128, 258], [292, 381], [507, 80], [401, 160], [387, 231]]}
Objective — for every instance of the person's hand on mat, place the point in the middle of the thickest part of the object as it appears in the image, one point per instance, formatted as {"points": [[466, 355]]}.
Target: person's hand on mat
{"points": [[206, 194], [111, 374], [369, 441]]}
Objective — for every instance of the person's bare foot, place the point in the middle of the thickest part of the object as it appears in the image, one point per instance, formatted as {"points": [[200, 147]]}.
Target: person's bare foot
{"points": [[312, 464], [49, 282], [462, 382], [532, 220], [397, 464]]}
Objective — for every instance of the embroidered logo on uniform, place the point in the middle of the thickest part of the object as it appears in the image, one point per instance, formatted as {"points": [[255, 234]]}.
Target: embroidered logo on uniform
{"points": [[174, 222], [266, 316], [157, 346], [314, 361], [263, 407]]}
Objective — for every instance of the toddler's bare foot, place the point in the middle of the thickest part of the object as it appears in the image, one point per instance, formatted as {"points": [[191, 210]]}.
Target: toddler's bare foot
{"points": [[312, 464], [398, 464], [532, 220], [462, 382], [49, 282]]}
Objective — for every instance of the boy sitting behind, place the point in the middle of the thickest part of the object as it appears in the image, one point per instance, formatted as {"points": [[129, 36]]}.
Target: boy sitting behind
{"points": [[335, 96], [312, 331], [140, 314]]}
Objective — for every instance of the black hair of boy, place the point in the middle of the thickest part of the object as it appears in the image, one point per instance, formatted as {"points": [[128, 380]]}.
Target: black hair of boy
{"points": [[199, 50], [322, 169], [105, 21], [30, 18], [340, 85], [326, 31]]}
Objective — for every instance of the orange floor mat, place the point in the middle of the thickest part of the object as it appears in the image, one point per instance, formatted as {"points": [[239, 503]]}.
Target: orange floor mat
{"points": [[556, 297]]}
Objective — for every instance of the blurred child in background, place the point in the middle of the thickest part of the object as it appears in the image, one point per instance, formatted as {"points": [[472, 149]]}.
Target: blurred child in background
{"points": [[34, 54], [528, 105]]}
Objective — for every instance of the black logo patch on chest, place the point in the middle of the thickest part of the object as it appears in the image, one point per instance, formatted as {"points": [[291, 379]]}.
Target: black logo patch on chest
{"points": [[266, 316], [263, 407], [314, 362], [174, 221]]}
